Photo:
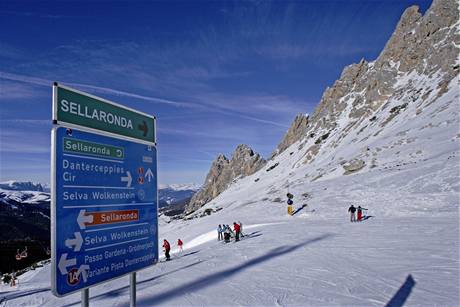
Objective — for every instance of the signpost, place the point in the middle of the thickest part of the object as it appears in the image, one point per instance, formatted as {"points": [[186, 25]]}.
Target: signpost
{"points": [[73, 108], [104, 194]]}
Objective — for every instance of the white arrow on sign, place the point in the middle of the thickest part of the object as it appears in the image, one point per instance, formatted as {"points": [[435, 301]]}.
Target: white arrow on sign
{"points": [[127, 179], [82, 219], [149, 174], [77, 242], [64, 263], [83, 270]]}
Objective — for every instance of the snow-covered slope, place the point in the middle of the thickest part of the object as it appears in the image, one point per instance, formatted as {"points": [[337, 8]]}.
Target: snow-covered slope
{"points": [[314, 258]]}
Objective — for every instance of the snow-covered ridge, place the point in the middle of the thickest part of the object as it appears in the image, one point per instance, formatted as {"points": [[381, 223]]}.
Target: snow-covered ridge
{"points": [[175, 193], [14, 193], [23, 186], [13, 198], [180, 186]]}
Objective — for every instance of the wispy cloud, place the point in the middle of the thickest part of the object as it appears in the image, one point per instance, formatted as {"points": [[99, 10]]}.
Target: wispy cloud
{"points": [[10, 52], [255, 103], [222, 132], [292, 51], [264, 121], [14, 91], [105, 90], [31, 14], [221, 104], [46, 122], [97, 89], [23, 147], [25, 136], [25, 79]]}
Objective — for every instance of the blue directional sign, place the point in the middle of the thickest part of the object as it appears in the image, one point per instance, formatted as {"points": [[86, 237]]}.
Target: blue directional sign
{"points": [[104, 209]]}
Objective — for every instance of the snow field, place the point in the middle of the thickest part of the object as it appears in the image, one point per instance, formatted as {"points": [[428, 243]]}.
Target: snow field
{"points": [[299, 262]]}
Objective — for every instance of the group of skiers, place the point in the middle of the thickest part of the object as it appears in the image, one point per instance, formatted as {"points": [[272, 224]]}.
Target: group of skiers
{"points": [[167, 248], [352, 210], [225, 233]]}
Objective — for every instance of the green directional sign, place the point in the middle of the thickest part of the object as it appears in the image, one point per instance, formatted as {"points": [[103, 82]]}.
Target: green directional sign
{"points": [[85, 110], [92, 149]]}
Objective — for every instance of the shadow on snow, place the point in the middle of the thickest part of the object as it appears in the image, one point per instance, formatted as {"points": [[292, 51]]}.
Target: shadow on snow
{"points": [[221, 276], [299, 209], [189, 254], [403, 293], [119, 291], [16, 294]]}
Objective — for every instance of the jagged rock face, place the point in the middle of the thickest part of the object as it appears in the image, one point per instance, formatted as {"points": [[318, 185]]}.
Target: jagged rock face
{"points": [[426, 45], [418, 39], [223, 172], [295, 132]]}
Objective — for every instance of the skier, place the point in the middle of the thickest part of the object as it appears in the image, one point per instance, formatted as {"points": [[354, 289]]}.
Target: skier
{"points": [[290, 207], [180, 243], [241, 228], [220, 231], [360, 213], [352, 211], [236, 228], [227, 235], [166, 248], [232, 234], [13, 279]]}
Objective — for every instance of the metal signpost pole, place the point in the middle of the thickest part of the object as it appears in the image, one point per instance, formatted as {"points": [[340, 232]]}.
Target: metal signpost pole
{"points": [[132, 289], [85, 297]]}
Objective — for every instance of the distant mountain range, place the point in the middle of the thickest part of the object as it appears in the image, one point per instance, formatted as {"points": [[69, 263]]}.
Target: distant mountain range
{"points": [[25, 218], [16, 197], [170, 195], [25, 208], [23, 186], [16, 194]]}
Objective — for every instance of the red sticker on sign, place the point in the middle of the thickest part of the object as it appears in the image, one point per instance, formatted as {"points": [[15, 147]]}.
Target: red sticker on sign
{"points": [[73, 277]]}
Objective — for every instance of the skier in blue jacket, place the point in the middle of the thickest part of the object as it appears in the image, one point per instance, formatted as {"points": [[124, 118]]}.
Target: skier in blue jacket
{"points": [[220, 231]]}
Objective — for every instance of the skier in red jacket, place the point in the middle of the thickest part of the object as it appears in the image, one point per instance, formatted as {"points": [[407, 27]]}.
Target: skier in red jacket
{"points": [[166, 248], [360, 213], [180, 243], [236, 228]]}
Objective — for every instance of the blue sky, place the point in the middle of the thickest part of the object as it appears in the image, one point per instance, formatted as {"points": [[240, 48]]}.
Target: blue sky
{"points": [[216, 74]]}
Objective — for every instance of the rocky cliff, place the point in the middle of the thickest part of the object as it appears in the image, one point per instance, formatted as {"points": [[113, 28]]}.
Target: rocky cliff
{"points": [[223, 172], [295, 132], [421, 45]]}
